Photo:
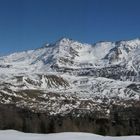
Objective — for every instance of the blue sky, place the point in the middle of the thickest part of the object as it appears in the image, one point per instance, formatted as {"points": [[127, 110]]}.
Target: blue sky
{"points": [[27, 24]]}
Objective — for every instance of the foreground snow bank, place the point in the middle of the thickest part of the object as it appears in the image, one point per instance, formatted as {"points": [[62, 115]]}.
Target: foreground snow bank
{"points": [[15, 135]]}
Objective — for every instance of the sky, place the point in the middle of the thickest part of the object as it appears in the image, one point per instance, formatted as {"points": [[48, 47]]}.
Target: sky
{"points": [[28, 24]]}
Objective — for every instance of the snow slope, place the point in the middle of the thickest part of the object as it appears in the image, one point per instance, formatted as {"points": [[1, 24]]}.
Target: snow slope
{"points": [[15, 135]]}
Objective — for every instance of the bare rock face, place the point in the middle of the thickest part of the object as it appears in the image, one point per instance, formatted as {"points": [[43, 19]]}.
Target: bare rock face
{"points": [[70, 86]]}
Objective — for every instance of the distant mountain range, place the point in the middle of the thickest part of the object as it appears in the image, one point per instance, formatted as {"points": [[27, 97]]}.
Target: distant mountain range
{"points": [[68, 77]]}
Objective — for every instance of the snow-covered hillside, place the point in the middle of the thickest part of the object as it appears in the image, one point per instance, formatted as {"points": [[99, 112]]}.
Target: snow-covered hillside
{"points": [[69, 77], [15, 135], [90, 72]]}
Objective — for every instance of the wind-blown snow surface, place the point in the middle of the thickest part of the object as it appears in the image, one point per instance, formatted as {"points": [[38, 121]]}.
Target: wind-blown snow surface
{"points": [[15, 135]]}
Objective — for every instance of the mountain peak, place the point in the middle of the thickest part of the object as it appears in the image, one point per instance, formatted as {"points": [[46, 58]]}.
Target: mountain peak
{"points": [[64, 41]]}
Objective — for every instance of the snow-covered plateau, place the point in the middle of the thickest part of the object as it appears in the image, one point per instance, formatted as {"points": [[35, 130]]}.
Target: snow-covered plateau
{"points": [[15, 135], [73, 80]]}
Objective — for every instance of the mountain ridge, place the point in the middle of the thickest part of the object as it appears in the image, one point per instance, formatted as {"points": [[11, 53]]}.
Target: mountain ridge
{"points": [[63, 38]]}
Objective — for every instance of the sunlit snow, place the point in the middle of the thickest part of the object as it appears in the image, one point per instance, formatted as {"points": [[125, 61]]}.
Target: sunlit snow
{"points": [[15, 135]]}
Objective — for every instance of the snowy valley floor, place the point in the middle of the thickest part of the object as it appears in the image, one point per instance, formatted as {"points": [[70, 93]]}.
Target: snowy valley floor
{"points": [[15, 135]]}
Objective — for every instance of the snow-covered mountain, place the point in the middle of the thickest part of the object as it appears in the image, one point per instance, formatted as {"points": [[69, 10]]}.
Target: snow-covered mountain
{"points": [[71, 77], [105, 69], [72, 54]]}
